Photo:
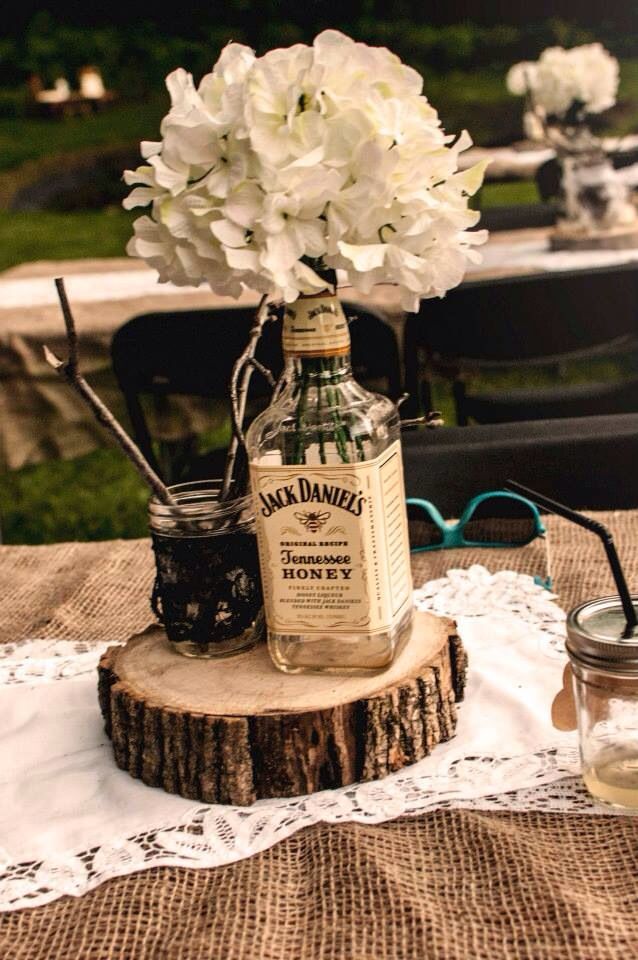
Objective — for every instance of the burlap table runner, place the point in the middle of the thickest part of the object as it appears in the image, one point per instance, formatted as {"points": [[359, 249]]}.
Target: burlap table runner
{"points": [[100, 591], [450, 884]]}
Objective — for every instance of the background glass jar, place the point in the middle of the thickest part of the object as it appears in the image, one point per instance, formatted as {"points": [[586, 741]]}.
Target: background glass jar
{"points": [[605, 679], [207, 591]]}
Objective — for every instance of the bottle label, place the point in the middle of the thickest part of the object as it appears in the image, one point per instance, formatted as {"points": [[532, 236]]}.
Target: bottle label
{"points": [[315, 326], [333, 545]]}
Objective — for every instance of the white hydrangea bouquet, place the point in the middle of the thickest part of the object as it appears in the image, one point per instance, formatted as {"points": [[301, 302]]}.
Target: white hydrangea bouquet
{"points": [[567, 85], [278, 172], [308, 158], [563, 90]]}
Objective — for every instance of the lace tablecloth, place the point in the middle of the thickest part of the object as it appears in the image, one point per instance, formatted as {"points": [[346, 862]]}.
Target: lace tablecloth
{"points": [[69, 819]]}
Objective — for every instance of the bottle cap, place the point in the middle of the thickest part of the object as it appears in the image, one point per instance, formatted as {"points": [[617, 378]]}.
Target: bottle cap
{"points": [[315, 326]]}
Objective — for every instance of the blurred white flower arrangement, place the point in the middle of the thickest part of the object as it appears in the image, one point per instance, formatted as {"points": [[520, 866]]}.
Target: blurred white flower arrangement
{"points": [[567, 84], [307, 158], [563, 89]]}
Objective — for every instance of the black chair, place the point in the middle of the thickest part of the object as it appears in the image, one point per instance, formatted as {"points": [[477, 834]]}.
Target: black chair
{"points": [[192, 352], [586, 462], [527, 323], [518, 216]]}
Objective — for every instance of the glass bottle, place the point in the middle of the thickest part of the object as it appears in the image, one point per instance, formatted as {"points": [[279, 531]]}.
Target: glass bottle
{"points": [[327, 483]]}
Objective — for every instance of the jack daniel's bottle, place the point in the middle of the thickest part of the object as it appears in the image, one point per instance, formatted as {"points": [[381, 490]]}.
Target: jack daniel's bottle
{"points": [[327, 483]]}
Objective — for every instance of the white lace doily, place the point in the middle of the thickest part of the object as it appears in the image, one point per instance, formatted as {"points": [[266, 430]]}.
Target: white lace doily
{"points": [[69, 819]]}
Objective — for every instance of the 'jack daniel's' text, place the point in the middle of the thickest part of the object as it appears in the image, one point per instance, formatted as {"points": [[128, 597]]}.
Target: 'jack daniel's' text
{"points": [[305, 491]]}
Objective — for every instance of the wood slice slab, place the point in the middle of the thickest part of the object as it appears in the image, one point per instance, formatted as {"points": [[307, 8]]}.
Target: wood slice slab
{"points": [[238, 730]]}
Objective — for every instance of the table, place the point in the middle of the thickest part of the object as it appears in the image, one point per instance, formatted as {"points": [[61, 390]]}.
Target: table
{"points": [[520, 161], [453, 885], [41, 419]]}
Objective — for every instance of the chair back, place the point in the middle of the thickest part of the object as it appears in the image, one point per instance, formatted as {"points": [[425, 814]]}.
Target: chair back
{"points": [[188, 352], [519, 216], [584, 462], [524, 321], [528, 317], [192, 352]]}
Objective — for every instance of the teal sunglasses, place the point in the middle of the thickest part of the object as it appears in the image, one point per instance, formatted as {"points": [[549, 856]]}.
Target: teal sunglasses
{"points": [[494, 519]]}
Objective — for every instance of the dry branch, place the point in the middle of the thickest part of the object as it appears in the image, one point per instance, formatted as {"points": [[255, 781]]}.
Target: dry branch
{"points": [[69, 370], [430, 420], [243, 368]]}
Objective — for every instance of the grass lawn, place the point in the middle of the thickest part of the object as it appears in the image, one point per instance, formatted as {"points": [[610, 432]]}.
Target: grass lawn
{"points": [[52, 235], [97, 497], [507, 194], [100, 496], [49, 235], [29, 138]]}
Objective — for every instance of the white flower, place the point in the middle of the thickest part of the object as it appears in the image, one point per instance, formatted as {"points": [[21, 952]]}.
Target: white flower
{"points": [[326, 153], [585, 76], [521, 78], [602, 76]]}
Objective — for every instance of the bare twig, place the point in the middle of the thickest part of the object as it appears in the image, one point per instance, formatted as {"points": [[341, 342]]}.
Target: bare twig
{"points": [[431, 420], [69, 371], [242, 370], [264, 371], [71, 334]]}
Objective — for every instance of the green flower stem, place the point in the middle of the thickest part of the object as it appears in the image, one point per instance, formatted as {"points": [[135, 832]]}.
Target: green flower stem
{"points": [[300, 451], [341, 432], [322, 440], [321, 373]]}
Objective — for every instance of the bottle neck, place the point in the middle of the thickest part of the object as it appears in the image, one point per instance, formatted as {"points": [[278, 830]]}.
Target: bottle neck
{"points": [[318, 370], [316, 339]]}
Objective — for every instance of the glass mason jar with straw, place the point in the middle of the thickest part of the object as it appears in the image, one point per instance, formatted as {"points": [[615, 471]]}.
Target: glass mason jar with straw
{"points": [[604, 664], [602, 644]]}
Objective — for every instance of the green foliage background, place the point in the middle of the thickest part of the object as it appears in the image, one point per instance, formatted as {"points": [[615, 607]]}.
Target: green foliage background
{"points": [[99, 496], [136, 58]]}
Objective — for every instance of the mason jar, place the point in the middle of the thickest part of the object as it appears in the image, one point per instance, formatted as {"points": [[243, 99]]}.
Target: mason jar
{"points": [[605, 680], [207, 591]]}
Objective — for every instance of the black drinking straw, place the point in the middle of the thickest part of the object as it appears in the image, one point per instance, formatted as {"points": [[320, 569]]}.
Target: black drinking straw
{"points": [[601, 531]]}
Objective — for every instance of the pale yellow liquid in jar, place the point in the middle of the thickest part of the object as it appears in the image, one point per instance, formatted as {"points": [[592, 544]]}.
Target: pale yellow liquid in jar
{"points": [[613, 776]]}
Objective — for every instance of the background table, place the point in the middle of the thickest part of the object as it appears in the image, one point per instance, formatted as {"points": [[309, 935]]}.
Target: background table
{"points": [[454, 885], [41, 419], [521, 160]]}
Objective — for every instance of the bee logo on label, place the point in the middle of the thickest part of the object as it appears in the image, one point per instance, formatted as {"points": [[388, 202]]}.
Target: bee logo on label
{"points": [[312, 520]]}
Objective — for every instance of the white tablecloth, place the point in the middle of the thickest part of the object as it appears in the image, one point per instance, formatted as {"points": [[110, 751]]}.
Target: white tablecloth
{"points": [[69, 819]]}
